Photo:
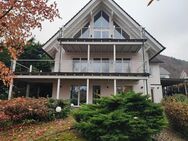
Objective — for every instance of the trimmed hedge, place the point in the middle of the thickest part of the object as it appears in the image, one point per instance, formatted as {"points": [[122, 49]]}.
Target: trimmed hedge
{"points": [[176, 109], [125, 117], [21, 110]]}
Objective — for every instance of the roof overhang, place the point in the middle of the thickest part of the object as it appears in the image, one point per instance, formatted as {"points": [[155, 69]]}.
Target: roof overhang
{"points": [[101, 45], [172, 81]]}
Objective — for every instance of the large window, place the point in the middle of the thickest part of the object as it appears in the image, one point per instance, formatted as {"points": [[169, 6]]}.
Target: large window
{"points": [[102, 28], [78, 94], [101, 25]]}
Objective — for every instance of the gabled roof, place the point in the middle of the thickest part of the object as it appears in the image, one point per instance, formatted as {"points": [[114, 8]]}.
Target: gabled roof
{"points": [[156, 45], [185, 70]]}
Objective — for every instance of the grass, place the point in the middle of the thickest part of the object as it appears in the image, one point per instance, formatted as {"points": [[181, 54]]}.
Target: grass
{"points": [[59, 130]]}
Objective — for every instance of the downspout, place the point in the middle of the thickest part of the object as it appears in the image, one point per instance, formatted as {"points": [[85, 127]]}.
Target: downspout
{"points": [[143, 57]]}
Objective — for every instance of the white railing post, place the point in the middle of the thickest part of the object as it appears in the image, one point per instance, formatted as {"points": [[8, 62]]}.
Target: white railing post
{"points": [[30, 68], [13, 65], [10, 89]]}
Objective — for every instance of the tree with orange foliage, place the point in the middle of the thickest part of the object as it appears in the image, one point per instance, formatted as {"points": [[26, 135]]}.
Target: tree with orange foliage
{"points": [[17, 19]]}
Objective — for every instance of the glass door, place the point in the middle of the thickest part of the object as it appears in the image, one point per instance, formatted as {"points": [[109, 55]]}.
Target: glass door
{"points": [[78, 95]]}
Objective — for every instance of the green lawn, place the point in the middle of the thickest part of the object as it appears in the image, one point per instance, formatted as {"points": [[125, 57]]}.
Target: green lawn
{"points": [[60, 130]]}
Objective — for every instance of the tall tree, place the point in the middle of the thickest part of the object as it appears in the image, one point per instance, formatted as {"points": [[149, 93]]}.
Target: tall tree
{"points": [[17, 19]]}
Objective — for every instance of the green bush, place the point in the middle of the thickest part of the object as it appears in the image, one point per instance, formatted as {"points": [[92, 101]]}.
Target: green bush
{"points": [[125, 117], [176, 109], [53, 103]]}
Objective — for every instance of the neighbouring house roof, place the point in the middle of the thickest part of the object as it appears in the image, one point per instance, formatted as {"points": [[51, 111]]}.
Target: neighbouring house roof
{"points": [[155, 46], [163, 71], [173, 65]]}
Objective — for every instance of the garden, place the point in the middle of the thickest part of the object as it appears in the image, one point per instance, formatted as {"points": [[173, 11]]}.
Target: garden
{"points": [[125, 117]]}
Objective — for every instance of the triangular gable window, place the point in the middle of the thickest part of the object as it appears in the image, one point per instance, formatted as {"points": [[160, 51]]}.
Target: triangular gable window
{"points": [[84, 32], [119, 33], [101, 21], [102, 28]]}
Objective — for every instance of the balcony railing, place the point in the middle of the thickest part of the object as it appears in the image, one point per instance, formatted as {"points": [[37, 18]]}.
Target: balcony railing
{"points": [[88, 32], [82, 66], [104, 66]]}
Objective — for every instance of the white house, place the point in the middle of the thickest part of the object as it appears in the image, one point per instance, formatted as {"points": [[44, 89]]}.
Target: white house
{"points": [[184, 74], [101, 51]]}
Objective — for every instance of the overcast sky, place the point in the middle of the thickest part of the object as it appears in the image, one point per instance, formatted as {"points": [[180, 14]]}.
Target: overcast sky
{"points": [[166, 20]]}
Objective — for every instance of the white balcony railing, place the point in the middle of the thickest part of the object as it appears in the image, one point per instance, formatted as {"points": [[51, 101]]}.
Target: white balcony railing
{"points": [[82, 66]]}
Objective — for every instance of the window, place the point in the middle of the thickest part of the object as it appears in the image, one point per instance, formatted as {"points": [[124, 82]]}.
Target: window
{"points": [[83, 33], [101, 25], [78, 94], [119, 33], [101, 20]]}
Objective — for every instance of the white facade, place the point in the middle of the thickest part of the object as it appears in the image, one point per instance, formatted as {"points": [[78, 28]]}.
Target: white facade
{"points": [[100, 52]]}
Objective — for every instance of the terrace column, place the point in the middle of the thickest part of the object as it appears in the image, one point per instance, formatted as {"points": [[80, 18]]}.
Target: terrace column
{"points": [[87, 93], [114, 57], [58, 88], [115, 86]]}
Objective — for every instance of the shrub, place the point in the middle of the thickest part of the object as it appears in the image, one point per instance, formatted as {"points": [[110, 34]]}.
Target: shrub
{"points": [[27, 108], [125, 117], [52, 104], [22, 110], [176, 109]]}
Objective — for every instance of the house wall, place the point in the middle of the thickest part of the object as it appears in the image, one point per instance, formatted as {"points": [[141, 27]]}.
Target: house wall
{"points": [[155, 82]]}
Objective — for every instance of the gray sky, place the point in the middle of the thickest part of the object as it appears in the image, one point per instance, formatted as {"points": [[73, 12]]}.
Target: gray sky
{"points": [[166, 20]]}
